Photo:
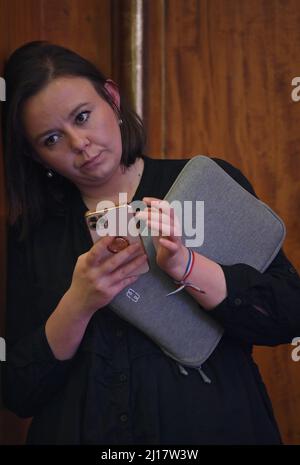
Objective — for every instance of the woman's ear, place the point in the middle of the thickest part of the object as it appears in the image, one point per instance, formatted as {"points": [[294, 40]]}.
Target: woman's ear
{"points": [[113, 91]]}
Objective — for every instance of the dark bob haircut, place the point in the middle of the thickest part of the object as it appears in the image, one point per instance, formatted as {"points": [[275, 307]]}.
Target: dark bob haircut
{"points": [[28, 70]]}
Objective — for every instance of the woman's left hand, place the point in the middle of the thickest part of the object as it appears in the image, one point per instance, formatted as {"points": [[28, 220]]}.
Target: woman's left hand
{"points": [[164, 226]]}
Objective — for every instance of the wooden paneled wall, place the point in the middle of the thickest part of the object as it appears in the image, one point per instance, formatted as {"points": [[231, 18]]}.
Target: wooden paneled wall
{"points": [[83, 25], [218, 82]]}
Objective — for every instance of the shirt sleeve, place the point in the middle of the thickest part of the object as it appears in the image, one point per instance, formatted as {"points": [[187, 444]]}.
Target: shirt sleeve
{"points": [[31, 373], [260, 308]]}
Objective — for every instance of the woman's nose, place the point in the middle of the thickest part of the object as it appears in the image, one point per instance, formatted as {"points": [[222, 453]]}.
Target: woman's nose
{"points": [[78, 141]]}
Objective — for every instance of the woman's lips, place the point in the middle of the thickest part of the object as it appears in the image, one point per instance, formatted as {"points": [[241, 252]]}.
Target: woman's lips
{"points": [[91, 163]]}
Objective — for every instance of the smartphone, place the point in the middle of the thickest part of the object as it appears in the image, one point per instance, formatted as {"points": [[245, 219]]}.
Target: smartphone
{"points": [[119, 222]]}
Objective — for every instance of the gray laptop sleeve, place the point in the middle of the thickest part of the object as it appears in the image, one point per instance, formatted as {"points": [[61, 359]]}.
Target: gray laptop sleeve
{"points": [[237, 228]]}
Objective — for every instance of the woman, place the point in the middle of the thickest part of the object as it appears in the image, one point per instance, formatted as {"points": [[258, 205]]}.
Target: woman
{"points": [[82, 373]]}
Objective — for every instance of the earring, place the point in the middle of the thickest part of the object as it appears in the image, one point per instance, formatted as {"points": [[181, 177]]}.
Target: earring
{"points": [[49, 174], [120, 122]]}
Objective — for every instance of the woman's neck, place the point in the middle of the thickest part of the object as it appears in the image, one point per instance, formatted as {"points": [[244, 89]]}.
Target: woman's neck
{"points": [[126, 181]]}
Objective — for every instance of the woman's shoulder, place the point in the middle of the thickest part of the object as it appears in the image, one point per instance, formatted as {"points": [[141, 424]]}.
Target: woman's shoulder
{"points": [[171, 167], [165, 163], [159, 175], [179, 163]]}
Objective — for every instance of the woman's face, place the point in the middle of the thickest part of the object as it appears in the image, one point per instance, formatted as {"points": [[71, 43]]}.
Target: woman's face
{"points": [[74, 131]]}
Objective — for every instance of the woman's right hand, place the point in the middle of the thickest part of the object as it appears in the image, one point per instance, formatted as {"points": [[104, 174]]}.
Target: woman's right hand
{"points": [[98, 278]]}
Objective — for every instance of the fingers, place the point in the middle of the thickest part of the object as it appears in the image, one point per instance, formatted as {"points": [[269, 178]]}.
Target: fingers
{"points": [[99, 253], [157, 204], [129, 270], [154, 214], [119, 286], [153, 201], [168, 244], [113, 282], [157, 228], [98, 250], [119, 259], [161, 219]]}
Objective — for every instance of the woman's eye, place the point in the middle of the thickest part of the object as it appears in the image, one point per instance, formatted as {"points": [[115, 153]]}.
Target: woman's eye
{"points": [[51, 140], [82, 117]]}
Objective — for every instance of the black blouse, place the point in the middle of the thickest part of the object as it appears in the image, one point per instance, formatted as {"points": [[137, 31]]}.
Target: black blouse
{"points": [[120, 388]]}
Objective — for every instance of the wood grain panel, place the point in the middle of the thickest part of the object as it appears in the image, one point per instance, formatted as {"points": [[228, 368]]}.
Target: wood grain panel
{"points": [[154, 77], [123, 20], [226, 70], [83, 25]]}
